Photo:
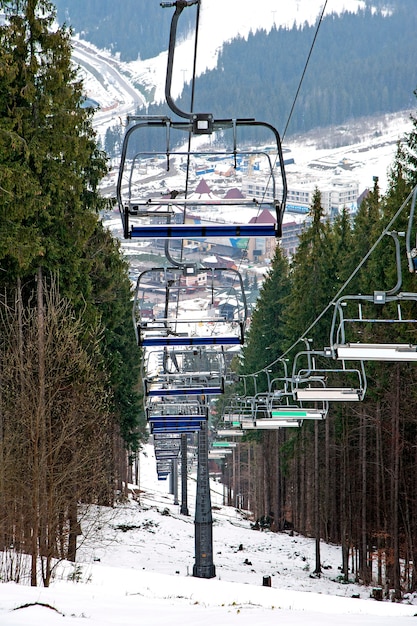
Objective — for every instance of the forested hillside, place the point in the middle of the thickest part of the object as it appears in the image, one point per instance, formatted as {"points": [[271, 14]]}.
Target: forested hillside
{"points": [[349, 478], [134, 28], [361, 65], [69, 404]]}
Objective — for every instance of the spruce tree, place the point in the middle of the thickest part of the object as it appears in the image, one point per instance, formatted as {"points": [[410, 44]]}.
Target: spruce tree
{"points": [[311, 280], [264, 341], [52, 164], [408, 153]]}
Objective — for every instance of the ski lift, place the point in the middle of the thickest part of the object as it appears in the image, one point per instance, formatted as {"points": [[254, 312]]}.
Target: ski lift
{"points": [[228, 432], [166, 455], [237, 410], [180, 385], [191, 371], [270, 423], [168, 328], [274, 408], [316, 382], [149, 215], [167, 446], [175, 417], [178, 425], [353, 312]]}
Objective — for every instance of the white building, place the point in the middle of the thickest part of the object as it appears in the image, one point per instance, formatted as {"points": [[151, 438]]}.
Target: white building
{"points": [[336, 193]]}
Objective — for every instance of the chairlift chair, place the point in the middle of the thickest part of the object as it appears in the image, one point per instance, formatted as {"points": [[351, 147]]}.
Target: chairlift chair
{"points": [[192, 125], [320, 381], [151, 215], [172, 329], [352, 313], [182, 372]]}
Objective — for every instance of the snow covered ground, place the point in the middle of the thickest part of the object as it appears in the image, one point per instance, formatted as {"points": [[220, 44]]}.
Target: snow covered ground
{"points": [[369, 145], [136, 569]]}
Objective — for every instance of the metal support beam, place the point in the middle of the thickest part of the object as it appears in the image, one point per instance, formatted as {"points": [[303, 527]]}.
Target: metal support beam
{"points": [[203, 523], [175, 480], [184, 472]]}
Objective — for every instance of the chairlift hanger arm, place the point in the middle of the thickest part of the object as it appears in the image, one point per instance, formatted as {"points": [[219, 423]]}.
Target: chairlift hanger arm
{"points": [[180, 5], [411, 252], [397, 287]]}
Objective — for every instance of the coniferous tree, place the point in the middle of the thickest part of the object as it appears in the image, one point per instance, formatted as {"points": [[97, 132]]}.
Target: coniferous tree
{"points": [[50, 168], [52, 195], [311, 278], [264, 341]]}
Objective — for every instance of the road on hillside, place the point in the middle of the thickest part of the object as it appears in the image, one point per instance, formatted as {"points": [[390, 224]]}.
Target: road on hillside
{"points": [[105, 69]]}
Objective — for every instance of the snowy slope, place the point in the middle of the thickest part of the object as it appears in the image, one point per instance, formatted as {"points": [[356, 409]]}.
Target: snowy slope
{"points": [[135, 569], [221, 22]]}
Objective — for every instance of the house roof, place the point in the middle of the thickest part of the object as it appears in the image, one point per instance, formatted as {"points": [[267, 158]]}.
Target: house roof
{"points": [[265, 217], [234, 193], [203, 192]]}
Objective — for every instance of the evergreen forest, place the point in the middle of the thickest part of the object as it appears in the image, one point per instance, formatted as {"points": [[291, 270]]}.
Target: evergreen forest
{"points": [[137, 30], [349, 478], [70, 402], [362, 64]]}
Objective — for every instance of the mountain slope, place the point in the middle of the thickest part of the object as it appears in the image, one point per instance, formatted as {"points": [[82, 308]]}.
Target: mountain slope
{"points": [[250, 63], [362, 64]]}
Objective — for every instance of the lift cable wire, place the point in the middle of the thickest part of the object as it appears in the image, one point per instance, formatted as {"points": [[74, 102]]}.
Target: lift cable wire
{"points": [[296, 95], [342, 288], [305, 69]]}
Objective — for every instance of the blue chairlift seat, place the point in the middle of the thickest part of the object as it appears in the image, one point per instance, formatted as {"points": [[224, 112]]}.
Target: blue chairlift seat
{"points": [[174, 428], [202, 231], [132, 205], [184, 391]]}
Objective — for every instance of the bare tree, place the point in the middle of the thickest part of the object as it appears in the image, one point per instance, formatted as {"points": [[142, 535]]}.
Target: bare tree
{"points": [[56, 427]]}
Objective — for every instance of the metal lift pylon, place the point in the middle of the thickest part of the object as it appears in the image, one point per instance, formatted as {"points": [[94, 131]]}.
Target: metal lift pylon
{"points": [[184, 474], [203, 523]]}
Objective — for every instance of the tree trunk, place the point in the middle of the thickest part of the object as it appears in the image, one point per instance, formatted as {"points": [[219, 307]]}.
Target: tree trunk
{"points": [[344, 507], [378, 500], [396, 451], [38, 435], [327, 483], [317, 569], [74, 530], [363, 552]]}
